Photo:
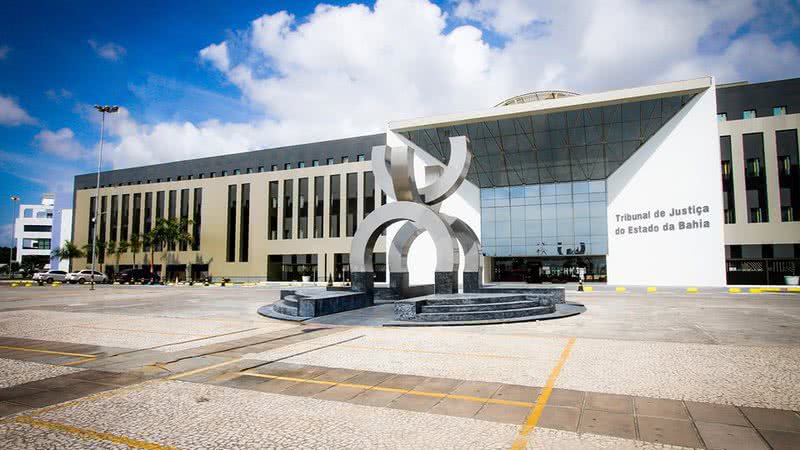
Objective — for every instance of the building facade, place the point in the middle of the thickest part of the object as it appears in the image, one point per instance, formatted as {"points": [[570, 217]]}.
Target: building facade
{"points": [[33, 232], [683, 183]]}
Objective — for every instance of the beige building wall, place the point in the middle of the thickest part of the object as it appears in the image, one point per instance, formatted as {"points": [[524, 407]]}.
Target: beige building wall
{"points": [[214, 220], [774, 231]]}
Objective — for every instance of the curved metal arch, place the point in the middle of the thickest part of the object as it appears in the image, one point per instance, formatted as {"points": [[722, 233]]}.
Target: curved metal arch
{"points": [[370, 228], [409, 232], [455, 172]]}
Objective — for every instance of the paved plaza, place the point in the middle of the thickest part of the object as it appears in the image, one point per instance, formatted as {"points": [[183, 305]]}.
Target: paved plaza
{"points": [[197, 368]]}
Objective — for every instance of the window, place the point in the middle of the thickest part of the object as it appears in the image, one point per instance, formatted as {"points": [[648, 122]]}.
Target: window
{"points": [[369, 193], [274, 167], [201, 176], [779, 111], [335, 205], [345, 159], [237, 172], [756, 215], [352, 204], [137, 214], [224, 173], [114, 213], [319, 205], [169, 179], [287, 208], [272, 224], [330, 162], [125, 215], [244, 224], [38, 228], [148, 215], [753, 167], [302, 208], [184, 215], [230, 248], [179, 178], [249, 170], [301, 164], [726, 170], [360, 157], [212, 175], [260, 169], [755, 181], [749, 114], [722, 117], [787, 214], [785, 165], [788, 179], [315, 163], [196, 216], [287, 166]]}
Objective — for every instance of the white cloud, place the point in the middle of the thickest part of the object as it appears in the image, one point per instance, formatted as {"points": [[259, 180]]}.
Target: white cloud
{"points": [[61, 143], [11, 114], [58, 94], [4, 51], [343, 71], [109, 50]]}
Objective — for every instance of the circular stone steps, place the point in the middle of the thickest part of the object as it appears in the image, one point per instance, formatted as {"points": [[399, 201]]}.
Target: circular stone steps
{"points": [[485, 315], [434, 307]]}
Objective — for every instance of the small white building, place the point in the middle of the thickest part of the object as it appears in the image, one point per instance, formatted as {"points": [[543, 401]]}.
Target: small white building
{"points": [[33, 229]]}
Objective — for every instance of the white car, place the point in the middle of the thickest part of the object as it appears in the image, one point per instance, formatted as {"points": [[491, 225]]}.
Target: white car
{"points": [[50, 276], [85, 276]]}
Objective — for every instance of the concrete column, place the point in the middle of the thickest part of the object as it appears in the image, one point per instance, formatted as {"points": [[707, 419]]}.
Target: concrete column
{"points": [[739, 167], [771, 169]]}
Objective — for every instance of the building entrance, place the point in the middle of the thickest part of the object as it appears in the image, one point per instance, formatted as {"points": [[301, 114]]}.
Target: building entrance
{"points": [[538, 269]]}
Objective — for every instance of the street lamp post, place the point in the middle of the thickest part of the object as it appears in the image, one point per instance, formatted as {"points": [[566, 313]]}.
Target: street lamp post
{"points": [[14, 198], [103, 110]]}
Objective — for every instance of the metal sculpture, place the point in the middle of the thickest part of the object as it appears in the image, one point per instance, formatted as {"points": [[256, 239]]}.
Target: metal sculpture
{"points": [[393, 168]]}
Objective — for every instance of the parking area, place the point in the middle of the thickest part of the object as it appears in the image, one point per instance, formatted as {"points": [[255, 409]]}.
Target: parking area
{"points": [[160, 367]]}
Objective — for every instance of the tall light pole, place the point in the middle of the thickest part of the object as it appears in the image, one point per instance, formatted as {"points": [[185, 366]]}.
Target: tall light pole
{"points": [[103, 110], [11, 248]]}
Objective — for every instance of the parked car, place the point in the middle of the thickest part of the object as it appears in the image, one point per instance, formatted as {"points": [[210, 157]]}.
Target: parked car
{"points": [[50, 275], [136, 276], [85, 276]]}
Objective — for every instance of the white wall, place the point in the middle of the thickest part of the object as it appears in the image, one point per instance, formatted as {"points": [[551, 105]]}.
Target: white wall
{"points": [[464, 204], [64, 234], [677, 168]]}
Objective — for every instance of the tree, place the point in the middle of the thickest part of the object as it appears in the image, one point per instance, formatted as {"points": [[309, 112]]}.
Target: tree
{"points": [[68, 250], [101, 252], [117, 249], [165, 235], [135, 246]]}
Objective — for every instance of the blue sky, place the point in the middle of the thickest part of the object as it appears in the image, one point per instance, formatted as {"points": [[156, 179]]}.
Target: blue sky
{"points": [[208, 77]]}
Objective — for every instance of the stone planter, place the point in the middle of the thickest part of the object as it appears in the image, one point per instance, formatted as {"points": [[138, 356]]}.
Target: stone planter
{"points": [[791, 280]]}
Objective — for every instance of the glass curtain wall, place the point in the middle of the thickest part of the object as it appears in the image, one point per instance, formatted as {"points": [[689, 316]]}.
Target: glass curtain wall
{"points": [[727, 179], [755, 178], [788, 176]]}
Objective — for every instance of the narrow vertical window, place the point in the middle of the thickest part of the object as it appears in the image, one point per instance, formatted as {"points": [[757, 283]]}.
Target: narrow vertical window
{"points": [[159, 213], [184, 215], [369, 193], [244, 224], [319, 205], [102, 231], [230, 249], [788, 175], [124, 216], [287, 209], [272, 225], [112, 232], [755, 181], [173, 206], [335, 203], [148, 215], [196, 216], [90, 237], [727, 179], [302, 208], [136, 217], [352, 203]]}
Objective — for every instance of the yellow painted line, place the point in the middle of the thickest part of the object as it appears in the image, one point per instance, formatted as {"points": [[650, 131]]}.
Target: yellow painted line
{"points": [[91, 434], [202, 369], [49, 352], [793, 289], [79, 361], [524, 433], [755, 291], [770, 289], [433, 352], [588, 289], [651, 289], [620, 289], [387, 389], [734, 290], [692, 289]]}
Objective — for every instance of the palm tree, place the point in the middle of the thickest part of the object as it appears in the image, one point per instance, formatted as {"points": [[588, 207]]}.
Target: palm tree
{"points": [[165, 235], [101, 252], [68, 250], [111, 249], [117, 249], [135, 246]]}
